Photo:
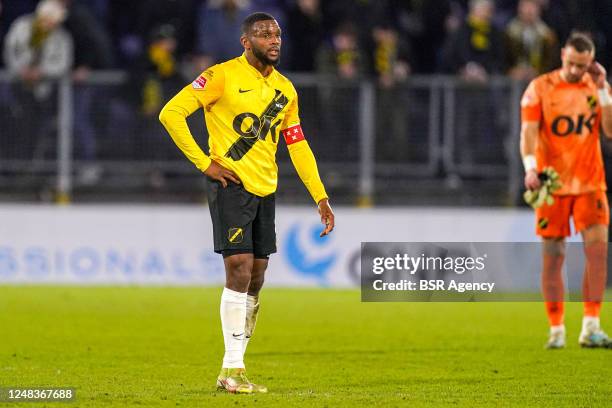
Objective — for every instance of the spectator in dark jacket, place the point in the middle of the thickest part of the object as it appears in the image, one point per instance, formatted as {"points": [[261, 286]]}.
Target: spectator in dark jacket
{"points": [[182, 15], [92, 51], [305, 34], [475, 52], [476, 49], [219, 27], [423, 26], [92, 44], [154, 80], [532, 45]]}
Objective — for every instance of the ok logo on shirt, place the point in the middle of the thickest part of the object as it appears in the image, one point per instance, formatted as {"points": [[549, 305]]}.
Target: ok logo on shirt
{"points": [[259, 129], [564, 125]]}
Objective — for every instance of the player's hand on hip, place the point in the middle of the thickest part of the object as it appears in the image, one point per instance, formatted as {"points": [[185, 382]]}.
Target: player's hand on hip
{"points": [[598, 73], [217, 172], [327, 217], [532, 181]]}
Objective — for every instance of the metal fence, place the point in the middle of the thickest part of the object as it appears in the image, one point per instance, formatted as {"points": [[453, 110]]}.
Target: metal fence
{"points": [[429, 140]]}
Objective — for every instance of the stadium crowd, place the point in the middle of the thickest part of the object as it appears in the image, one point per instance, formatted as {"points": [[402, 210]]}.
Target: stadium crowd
{"points": [[164, 44], [388, 38]]}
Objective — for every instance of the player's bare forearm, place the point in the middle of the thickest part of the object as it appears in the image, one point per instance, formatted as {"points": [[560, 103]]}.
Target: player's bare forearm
{"points": [[529, 139], [606, 120], [599, 75]]}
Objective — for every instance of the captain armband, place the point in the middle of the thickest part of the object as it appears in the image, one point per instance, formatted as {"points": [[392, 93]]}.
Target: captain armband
{"points": [[293, 134]]}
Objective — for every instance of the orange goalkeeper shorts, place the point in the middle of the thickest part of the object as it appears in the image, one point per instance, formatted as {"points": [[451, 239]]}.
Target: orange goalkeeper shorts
{"points": [[587, 209]]}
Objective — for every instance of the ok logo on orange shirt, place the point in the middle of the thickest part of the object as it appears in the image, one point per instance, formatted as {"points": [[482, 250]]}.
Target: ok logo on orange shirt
{"points": [[565, 125]]}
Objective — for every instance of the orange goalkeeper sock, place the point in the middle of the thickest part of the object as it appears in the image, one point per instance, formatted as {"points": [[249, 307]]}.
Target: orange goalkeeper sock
{"points": [[595, 276], [552, 287], [592, 309], [555, 312]]}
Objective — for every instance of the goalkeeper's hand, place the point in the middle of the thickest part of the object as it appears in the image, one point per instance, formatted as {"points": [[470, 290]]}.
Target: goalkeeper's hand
{"points": [[548, 182], [532, 181]]}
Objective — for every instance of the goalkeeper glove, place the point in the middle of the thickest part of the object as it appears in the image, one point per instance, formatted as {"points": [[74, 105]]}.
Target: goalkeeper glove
{"points": [[549, 183]]}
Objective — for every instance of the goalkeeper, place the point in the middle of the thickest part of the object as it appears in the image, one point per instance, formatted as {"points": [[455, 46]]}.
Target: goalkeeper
{"points": [[561, 114]]}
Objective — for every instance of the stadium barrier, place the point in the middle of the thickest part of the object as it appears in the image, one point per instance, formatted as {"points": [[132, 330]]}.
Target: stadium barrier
{"points": [[93, 137]]}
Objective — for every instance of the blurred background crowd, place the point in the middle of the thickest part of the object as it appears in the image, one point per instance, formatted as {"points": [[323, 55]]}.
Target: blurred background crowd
{"points": [[158, 46], [386, 38]]}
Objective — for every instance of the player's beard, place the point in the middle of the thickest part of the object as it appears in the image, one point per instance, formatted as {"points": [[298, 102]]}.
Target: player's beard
{"points": [[572, 79], [263, 58]]}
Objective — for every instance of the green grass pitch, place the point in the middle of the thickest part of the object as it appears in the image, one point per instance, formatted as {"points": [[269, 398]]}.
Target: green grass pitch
{"points": [[134, 346]]}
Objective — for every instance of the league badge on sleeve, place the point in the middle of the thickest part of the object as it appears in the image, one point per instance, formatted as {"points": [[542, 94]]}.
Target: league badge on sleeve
{"points": [[199, 83]]}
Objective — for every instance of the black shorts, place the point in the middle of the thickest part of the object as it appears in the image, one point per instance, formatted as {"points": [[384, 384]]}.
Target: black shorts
{"points": [[243, 223]]}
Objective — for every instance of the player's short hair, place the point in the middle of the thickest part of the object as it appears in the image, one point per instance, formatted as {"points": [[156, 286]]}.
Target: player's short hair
{"points": [[253, 18], [581, 42]]}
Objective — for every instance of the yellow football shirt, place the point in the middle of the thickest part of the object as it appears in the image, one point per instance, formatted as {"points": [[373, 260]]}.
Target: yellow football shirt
{"points": [[246, 114]]}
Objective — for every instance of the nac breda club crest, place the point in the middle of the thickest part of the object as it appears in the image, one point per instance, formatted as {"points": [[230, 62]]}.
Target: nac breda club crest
{"points": [[261, 126]]}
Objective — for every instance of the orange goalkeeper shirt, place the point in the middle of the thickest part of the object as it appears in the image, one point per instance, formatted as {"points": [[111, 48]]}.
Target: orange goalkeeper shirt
{"points": [[570, 116]]}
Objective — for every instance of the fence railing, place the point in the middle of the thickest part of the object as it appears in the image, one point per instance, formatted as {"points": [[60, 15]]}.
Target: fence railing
{"points": [[369, 141]]}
